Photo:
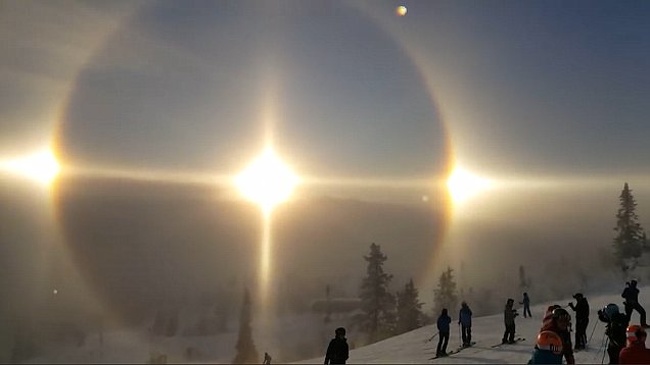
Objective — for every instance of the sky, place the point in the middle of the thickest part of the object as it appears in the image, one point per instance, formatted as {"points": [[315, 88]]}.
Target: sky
{"points": [[152, 107]]}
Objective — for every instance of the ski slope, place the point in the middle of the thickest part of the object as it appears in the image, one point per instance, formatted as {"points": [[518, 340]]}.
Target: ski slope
{"points": [[413, 347], [133, 346]]}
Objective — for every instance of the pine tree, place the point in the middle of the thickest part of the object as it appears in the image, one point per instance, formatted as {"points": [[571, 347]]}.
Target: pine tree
{"points": [[409, 314], [445, 295], [377, 303], [246, 351], [524, 281], [630, 238]]}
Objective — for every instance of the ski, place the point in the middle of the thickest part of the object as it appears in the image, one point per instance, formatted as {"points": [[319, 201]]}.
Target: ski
{"points": [[448, 354], [455, 351], [518, 339]]}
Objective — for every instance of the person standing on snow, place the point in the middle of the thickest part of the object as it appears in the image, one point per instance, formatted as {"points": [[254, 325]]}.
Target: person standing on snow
{"points": [[631, 296], [526, 303], [443, 333], [559, 321], [509, 315], [615, 330], [582, 320], [635, 352], [465, 322], [338, 350]]}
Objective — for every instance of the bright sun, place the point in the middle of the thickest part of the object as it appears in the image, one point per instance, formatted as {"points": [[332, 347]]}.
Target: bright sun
{"points": [[41, 166], [463, 185], [267, 181]]}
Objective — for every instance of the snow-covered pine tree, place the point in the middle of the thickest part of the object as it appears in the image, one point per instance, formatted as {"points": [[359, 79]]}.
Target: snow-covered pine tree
{"points": [[377, 303], [445, 295], [630, 236], [409, 313], [246, 351]]}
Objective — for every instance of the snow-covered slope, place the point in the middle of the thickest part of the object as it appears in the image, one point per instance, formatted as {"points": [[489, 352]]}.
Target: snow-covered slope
{"points": [[134, 346], [413, 347]]}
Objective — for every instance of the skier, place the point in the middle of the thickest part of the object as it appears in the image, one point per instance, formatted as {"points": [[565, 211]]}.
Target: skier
{"points": [[582, 320], [337, 351], [631, 296], [559, 322], [509, 315], [443, 333], [548, 349], [526, 303], [465, 323], [635, 352], [267, 359], [615, 330]]}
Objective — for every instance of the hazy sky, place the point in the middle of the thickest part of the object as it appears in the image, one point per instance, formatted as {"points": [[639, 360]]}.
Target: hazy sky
{"points": [[548, 98]]}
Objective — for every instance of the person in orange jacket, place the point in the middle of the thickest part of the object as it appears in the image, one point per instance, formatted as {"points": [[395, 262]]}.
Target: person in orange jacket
{"points": [[635, 352], [559, 321]]}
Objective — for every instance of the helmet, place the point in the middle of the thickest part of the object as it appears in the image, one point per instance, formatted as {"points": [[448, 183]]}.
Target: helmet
{"points": [[610, 310], [636, 333], [549, 341], [340, 331], [561, 313]]}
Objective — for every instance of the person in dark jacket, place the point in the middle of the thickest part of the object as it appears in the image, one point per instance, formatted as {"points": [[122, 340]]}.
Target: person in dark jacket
{"points": [[631, 296], [509, 315], [582, 320], [443, 333], [337, 351], [465, 322], [526, 303], [559, 322], [616, 325]]}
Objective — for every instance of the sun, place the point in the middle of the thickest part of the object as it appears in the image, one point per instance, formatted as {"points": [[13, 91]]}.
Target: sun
{"points": [[267, 181], [463, 185], [41, 166]]}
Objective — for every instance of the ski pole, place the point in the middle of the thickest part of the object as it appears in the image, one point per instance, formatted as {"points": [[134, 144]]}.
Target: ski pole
{"points": [[460, 334], [592, 331], [432, 337], [604, 351]]}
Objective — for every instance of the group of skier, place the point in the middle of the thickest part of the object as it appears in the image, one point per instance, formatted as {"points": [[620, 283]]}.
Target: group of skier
{"points": [[625, 342], [443, 323]]}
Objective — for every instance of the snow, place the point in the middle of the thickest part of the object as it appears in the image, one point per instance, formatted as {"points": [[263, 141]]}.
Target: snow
{"points": [[129, 346], [413, 347]]}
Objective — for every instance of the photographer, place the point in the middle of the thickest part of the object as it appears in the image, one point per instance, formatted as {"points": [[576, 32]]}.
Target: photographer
{"points": [[582, 320], [509, 315], [615, 330]]}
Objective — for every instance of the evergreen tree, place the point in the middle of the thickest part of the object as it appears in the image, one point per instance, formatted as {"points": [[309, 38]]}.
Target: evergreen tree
{"points": [[445, 295], [524, 282], [630, 237], [377, 303], [246, 351], [409, 314]]}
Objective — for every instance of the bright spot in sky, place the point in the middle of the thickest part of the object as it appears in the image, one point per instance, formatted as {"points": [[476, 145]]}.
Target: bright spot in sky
{"points": [[401, 10], [267, 181], [41, 166], [463, 185], [55, 292]]}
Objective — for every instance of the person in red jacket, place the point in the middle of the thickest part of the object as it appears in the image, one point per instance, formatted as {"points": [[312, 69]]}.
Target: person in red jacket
{"points": [[559, 321], [635, 351]]}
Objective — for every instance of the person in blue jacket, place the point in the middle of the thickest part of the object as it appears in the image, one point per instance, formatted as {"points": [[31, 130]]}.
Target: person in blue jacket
{"points": [[465, 322], [443, 333]]}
